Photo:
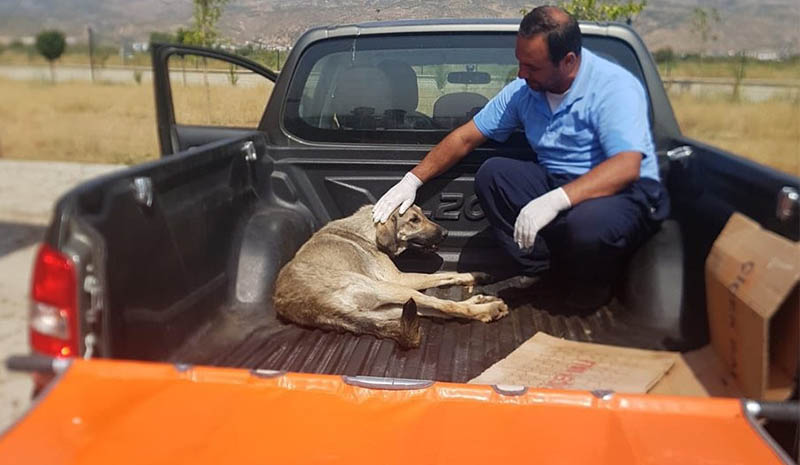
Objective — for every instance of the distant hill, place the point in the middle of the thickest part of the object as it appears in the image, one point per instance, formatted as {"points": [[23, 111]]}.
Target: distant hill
{"points": [[746, 24]]}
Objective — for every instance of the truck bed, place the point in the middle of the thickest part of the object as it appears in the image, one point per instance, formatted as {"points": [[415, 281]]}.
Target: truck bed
{"points": [[450, 350]]}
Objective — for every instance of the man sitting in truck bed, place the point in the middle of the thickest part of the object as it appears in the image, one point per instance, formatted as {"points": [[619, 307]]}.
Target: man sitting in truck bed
{"points": [[594, 192]]}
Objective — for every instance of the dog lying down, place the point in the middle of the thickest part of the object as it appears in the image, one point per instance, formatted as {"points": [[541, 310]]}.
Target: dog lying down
{"points": [[344, 279]]}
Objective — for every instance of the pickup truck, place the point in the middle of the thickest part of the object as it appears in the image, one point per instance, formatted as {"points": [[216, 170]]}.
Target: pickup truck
{"points": [[174, 260]]}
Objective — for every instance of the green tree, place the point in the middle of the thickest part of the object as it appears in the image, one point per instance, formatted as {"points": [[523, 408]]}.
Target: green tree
{"points": [[440, 74], [738, 74], [233, 76], [665, 57], [51, 44], [102, 54], [702, 25], [162, 37], [204, 30], [594, 10], [181, 36]]}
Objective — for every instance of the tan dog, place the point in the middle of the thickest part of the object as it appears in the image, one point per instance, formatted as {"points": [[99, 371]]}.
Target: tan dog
{"points": [[343, 278]]}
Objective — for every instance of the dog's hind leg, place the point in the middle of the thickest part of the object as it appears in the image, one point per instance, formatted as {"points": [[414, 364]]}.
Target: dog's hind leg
{"points": [[352, 303], [359, 304], [409, 325], [394, 321]]}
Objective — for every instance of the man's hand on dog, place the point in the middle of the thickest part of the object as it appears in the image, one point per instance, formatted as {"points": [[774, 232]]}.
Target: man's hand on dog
{"points": [[537, 214], [402, 194]]}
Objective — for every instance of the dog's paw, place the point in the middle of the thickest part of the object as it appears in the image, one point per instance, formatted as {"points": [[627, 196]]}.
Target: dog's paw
{"points": [[479, 278], [487, 308], [482, 299], [502, 310]]}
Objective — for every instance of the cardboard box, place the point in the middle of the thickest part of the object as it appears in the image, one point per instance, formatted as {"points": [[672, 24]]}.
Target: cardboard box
{"points": [[698, 373], [753, 306]]}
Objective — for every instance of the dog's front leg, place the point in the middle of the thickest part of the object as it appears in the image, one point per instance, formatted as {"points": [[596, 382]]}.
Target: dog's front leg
{"points": [[420, 281], [479, 307]]}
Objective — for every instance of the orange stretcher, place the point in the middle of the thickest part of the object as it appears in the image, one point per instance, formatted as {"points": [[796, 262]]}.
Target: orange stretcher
{"points": [[104, 411]]}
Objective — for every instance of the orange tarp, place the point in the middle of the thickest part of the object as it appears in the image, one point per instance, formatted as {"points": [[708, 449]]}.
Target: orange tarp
{"points": [[103, 412]]}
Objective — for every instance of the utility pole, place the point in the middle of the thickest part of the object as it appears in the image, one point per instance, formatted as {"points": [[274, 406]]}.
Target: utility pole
{"points": [[91, 51]]}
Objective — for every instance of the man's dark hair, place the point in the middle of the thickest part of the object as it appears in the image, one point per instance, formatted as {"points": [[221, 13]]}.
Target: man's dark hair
{"points": [[559, 28]]}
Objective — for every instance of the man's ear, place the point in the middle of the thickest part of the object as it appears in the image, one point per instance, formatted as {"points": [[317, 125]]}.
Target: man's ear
{"points": [[386, 235], [569, 61]]}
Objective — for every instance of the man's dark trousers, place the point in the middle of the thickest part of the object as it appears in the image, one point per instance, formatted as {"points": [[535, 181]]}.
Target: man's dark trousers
{"points": [[587, 244]]}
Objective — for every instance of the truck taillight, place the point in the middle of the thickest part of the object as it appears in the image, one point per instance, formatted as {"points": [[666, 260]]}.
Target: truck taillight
{"points": [[54, 305]]}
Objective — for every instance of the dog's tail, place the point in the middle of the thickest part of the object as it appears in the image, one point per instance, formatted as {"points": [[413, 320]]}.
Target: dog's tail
{"points": [[409, 325]]}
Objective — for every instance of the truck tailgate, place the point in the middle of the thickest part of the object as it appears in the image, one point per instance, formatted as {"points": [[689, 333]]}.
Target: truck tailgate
{"points": [[103, 411]]}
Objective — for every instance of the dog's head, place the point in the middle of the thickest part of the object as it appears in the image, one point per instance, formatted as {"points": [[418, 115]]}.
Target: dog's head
{"points": [[409, 230]]}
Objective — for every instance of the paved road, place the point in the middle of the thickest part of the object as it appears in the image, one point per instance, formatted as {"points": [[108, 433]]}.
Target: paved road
{"points": [[127, 75], [751, 90], [28, 191]]}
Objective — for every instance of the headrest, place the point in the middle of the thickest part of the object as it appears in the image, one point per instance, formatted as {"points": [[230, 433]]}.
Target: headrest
{"points": [[362, 87], [453, 110], [405, 90], [458, 103]]}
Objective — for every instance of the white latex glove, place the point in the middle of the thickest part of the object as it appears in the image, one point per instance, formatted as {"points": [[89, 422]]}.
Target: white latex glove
{"points": [[537, 214], [401, 194]]}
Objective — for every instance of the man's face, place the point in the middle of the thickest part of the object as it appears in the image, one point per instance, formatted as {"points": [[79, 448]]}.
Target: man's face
{"points": [[535, 66]]}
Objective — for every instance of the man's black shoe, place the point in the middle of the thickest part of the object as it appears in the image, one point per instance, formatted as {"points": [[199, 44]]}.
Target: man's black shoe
{"points": [[586, 298]]}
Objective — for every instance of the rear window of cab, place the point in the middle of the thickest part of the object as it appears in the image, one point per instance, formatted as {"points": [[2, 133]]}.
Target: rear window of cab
{"points": [[408, 89]]}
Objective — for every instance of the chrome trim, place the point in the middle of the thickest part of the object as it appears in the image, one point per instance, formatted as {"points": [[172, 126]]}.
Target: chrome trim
{"points": [[183, 367], [752, 408], [249, 150], [143, 191], [679, 153], [603, 394], [788, 204], [391, 384], [267, 374], [89, 342], [36, 363], [747, 409], [509, 389]]}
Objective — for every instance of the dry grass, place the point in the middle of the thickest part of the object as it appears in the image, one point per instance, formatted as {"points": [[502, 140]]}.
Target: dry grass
{"points": [[220, 105], [116, 123], [77, 122], [108, 123], [767, 132], [785, 70]]}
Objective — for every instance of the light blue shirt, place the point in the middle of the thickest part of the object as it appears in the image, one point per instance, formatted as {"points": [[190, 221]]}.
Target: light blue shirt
{"points": [[605, 112]]}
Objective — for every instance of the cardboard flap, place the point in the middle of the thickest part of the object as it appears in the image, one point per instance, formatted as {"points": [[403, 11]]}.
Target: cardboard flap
{"points": [[544, 361], [759, 266]]}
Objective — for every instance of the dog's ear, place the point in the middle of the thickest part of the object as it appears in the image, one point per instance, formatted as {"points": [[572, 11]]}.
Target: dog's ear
{"points": [[386, 235]]}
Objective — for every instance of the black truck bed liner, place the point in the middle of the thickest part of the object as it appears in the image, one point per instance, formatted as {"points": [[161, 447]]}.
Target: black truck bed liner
{"points": [[450, 350]]}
